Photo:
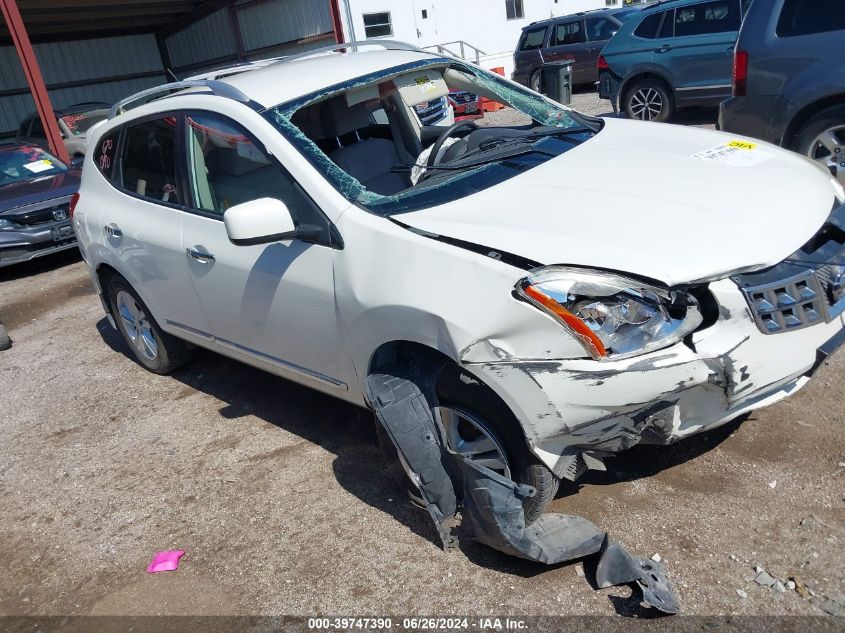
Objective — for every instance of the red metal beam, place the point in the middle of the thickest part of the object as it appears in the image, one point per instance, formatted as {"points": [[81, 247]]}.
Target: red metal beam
{"points": [[34, 78], [337, 23]]}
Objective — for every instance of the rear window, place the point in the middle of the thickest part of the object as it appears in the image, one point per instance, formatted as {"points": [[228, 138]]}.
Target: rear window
{"points": [[568, 33], [806, 17], [149, 160], [532, 40], [648, 27], [81, 122], [601, 29]]}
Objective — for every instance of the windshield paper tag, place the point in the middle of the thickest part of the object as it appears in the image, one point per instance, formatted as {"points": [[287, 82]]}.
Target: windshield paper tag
{"points": [[735, 154], [39, 166]]}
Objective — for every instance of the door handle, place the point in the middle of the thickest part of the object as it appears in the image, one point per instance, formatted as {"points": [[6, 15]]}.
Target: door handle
{"points": [[202, 258], [113, 230], [663, 49]]}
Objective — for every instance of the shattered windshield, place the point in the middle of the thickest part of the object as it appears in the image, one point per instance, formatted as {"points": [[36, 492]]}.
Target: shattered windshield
{"points": [[368, 140]]}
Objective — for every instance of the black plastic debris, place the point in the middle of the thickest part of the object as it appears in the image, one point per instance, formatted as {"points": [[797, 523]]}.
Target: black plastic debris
{"points": [[491, 505], [5, 341]]}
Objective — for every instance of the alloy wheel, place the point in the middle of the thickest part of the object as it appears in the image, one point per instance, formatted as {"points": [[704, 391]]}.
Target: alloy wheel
{"points": [[137, 325], [470, 436], [828, 149], [646, 104]]}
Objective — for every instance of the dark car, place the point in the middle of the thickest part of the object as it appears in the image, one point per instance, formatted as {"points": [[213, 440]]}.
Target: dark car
{"points": [[671, 55], [35, 197], [578, 38], [789, 79], [74, 123]]}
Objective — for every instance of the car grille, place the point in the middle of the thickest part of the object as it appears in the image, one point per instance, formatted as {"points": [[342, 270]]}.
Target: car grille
{"points": [[462, 97], [46, 215], [806, 289], [431, 112]]}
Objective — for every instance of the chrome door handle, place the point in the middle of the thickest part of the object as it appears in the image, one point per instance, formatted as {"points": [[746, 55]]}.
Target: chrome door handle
{"points": [[663, 49], [202, 258], [113, 231]]}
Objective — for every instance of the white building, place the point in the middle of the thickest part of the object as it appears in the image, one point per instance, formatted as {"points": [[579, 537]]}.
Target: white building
{"points": [[491, 26]]}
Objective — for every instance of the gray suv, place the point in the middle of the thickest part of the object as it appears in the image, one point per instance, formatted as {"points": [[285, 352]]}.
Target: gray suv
{"points": [[789, 79]]}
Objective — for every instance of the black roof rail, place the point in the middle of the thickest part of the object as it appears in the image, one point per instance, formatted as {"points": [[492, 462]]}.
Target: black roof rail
{"points": [[217, 88]]}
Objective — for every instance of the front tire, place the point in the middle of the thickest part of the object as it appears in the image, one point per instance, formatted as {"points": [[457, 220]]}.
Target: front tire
{"points": [[534, 82], [476, 419], [648, 100], [153, 348]]}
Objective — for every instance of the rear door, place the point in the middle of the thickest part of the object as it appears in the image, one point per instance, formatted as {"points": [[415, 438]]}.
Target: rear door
{"points": [[273, 303], [568, 41], [528, 56], [141, 222], [699, 54]]}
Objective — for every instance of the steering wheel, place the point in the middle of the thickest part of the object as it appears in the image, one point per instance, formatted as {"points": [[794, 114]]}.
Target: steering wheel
{"points": [[435, 150]]}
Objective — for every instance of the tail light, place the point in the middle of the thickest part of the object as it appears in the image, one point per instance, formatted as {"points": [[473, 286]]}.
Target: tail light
{"points": [[740, 73], [72, 206], [601, 63]]}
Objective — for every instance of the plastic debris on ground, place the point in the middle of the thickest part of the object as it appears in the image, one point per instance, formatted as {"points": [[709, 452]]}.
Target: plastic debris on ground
{"points": [[165, 561]]}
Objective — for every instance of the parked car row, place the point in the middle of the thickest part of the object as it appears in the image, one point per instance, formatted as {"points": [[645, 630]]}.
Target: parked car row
{"points": [[775, 67]]}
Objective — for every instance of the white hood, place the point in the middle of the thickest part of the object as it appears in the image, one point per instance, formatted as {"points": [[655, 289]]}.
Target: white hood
{"points": [[635, 199]]}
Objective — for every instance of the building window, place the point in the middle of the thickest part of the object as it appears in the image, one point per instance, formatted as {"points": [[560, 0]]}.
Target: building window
{"points": [[611, 3], [377, 24], [424, 14], [514, 9]]}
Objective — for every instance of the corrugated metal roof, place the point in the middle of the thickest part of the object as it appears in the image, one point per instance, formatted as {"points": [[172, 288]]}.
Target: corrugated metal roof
{"points": [[210, 38], [276, 21]]}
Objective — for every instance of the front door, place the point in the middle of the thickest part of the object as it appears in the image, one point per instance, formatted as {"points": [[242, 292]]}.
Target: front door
{"points": [[272, 303]]}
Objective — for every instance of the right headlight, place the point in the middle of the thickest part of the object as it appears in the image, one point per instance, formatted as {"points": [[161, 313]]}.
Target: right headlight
{"points": [[5, 224], [612, 316]]}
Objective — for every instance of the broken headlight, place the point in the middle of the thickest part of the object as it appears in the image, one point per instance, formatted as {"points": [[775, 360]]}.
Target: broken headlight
{"points": [[612, 316]]}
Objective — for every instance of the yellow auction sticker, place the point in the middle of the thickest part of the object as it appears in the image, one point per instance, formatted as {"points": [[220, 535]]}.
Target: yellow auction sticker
{"points": [[742, 145]]}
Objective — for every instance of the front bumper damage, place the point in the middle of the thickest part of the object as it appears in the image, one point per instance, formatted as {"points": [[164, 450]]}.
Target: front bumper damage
{"points": [[575, 413], [489, 504]]}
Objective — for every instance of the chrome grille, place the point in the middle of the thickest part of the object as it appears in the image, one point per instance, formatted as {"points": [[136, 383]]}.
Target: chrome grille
{"points": [[786, 305], [432, 111], [462, 97]]}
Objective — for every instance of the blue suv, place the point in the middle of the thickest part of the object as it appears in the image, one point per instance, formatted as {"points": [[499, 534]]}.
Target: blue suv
{"points": [[671, 55]]}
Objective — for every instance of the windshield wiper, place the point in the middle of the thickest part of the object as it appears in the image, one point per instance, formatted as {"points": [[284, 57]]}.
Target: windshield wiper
{"points": [[482, 163]]}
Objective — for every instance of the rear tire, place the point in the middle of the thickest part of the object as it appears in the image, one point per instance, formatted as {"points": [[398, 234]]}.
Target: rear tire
{"points": [[153, 348], [534, 82], [822, 139], [649, 100]]}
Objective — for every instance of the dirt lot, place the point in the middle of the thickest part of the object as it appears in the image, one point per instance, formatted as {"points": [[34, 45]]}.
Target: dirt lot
{"points": [[279, 496]]}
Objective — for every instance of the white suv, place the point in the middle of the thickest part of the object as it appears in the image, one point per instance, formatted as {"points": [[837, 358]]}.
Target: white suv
{"points": [[570, 287]]}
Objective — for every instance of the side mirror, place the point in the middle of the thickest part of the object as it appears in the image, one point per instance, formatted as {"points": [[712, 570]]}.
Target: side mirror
{"points": [[259, 221], [77, 162]]}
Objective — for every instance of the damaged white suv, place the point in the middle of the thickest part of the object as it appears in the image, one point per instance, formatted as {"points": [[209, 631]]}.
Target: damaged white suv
{"points": [[569, 287]]}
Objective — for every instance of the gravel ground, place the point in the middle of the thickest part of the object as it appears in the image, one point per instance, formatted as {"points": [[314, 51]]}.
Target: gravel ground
{"points": [[278, 494]]}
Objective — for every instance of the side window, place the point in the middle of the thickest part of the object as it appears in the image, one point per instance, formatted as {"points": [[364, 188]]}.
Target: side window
{"points": [[648, 27], [568, 33], [806, 17], [148, 160], [533, 39], [721, 16], [226, 167], [105, 153], [600, 29]]}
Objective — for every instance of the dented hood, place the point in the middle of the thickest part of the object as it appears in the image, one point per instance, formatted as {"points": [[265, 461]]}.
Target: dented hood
{"points": [[662, 201]]}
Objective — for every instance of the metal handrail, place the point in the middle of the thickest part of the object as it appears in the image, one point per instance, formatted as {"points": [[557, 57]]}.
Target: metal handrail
{"points": [[218, 88], [390, 45], [441, 48]]}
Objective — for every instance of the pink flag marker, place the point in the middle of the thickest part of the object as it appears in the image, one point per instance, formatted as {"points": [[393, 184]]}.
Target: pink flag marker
{"points": [[165, 561]]}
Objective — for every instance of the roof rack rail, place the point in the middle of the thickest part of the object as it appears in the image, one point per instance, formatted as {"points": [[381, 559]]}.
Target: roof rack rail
{"points": [[390, 45], [217, 88]]}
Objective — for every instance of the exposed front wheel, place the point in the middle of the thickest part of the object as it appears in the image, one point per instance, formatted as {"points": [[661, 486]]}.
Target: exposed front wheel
{"points": [[152, 347], [648, 100], [534, 82]]}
